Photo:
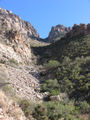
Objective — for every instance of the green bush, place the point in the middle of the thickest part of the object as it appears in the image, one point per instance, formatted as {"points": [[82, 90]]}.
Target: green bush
{"points": [[51, 86], [74, 78], [25, 106], [40, 113], [52, 64], [55, 111], [58, 110], [84, 107]]}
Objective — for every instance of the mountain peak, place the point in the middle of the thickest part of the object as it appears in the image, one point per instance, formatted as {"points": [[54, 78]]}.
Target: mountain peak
{"points": [[57, 31], [10, 20]]}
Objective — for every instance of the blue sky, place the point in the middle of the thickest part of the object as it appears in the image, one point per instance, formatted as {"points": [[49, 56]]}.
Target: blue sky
{"points": [[43, 14]]}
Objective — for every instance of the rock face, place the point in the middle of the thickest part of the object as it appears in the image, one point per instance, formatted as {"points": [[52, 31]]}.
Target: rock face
{"points": [[81, 29], [15, 35], [57, 32], [8, 20], [60, 31]]}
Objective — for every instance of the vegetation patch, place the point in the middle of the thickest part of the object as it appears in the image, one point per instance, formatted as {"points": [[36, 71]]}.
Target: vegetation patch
{"points": [[51, 64]]}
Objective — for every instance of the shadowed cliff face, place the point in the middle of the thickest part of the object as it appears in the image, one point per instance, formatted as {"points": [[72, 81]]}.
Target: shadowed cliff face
{"points": [[76, 43], [15, 35]]}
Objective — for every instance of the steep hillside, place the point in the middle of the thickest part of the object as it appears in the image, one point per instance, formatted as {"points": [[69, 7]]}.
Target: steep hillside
{"points": [[19, 78], [47, 81], [66, 76], [15, 36], [76, 43]]}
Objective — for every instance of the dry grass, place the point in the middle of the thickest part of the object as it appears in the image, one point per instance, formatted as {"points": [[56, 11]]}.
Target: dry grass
{"points": [[85, 116], [3, 73], [3, 101], [10, 108]]}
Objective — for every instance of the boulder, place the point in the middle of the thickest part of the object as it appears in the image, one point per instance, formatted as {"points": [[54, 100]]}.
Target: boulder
{"points": [[60, 97]]}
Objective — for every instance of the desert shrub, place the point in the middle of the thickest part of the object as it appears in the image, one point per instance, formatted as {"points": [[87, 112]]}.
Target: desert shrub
{"points": [[84, 107], [74, 78], [55, 111], [6, 88], [25, 106], [9, 90], [40, 113], [13, 61], [2, 61], [72, 47], [51, 86], [51, 64], [58, 110]]}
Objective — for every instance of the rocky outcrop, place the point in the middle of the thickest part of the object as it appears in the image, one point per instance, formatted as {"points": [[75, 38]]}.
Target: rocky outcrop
{"points": [[57, 32], [60, 97], [60, 31], [15, 35], [9, 21], [81, 29]]}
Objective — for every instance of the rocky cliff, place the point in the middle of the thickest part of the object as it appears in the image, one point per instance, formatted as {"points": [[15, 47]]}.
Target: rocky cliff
{"points": [[60, 31], [81, 29], [9, 21], [57, 32], [15, 35]]}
